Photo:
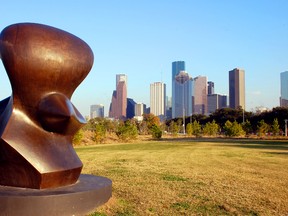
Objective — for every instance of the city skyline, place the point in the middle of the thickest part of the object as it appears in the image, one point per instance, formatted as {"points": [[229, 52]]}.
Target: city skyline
{"points": [[141, 39]]}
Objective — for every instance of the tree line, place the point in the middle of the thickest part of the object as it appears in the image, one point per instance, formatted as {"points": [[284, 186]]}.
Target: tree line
{"points": [[223, 122]]}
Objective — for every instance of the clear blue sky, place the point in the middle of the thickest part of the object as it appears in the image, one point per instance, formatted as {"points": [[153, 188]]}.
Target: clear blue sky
{"points": [[142, 38]]}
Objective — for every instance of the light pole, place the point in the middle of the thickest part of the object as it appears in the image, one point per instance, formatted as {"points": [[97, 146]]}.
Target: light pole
{"points": [[183, 108], [285, 126]]}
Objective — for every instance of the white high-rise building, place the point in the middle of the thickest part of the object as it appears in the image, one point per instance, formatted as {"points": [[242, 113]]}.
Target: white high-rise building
{"points": [[97, 110], [158, 99]]}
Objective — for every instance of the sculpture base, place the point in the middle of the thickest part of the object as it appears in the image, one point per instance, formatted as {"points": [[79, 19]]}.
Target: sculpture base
{"points": [[80, 198]]}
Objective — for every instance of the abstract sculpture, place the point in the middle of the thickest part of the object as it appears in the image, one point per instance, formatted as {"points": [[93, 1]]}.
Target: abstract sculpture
{"points": [[37, 123]]}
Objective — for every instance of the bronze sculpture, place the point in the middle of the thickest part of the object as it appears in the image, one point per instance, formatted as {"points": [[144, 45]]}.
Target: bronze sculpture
{"points": [[37, 123]]}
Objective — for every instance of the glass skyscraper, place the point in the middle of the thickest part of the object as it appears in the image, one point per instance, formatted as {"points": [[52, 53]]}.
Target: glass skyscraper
{"points": [[284, 89], [182, 99], [181, 90]]}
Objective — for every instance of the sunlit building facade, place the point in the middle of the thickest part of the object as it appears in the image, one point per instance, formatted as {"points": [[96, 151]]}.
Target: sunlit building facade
{"points": [[284, 89], [97, 110], [158, 99], [216, 101], [118, 106], [237, 88], [200, 95]]}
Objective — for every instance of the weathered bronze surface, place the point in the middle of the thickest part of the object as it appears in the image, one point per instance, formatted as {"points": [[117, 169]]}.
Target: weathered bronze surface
{"points": [[80, 198], [37, 123]]}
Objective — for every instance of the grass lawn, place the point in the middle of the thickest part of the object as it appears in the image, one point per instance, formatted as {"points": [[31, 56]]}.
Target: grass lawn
{"points": [[192, 176]]}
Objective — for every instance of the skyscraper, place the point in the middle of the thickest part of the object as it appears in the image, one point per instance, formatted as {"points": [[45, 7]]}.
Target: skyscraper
{"points": [[182, 102], [130, 111], [200, 95], [177, 66], [97, 110], [121, 77], [284, 89], [118, 104], [215, 101], [237, 88], [158, 99]]}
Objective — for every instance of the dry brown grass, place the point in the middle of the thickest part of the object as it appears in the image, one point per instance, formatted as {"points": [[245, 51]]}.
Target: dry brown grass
{"points": [[192, 177]]}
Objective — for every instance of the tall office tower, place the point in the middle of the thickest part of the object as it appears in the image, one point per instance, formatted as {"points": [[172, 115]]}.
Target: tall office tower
{"points": [[158, 99], [182, 95], [130, 111], [200, 95], [177, 66], [210, 87], [121, 77], [216, 101], [97, 110], [118, 104], [237, 88], [284, 89]]}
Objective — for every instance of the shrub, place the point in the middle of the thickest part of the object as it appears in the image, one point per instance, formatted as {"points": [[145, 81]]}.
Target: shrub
{"points": [[126, 131], [77, 137], [156, 131]]}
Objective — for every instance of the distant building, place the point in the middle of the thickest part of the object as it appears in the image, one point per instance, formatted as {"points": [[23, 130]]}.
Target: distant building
{"points": [[177, 66], [216, 101], [183, 95], [237, 88], [97, 110], [118, 106], [168, 108], [200, 95], [130, 112], [140, 109], [210, 87], [284, 89], [158, 99], [121, 78]]}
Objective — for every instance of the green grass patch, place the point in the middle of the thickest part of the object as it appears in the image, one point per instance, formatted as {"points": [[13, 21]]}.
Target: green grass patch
{"points": [[192, 176]]}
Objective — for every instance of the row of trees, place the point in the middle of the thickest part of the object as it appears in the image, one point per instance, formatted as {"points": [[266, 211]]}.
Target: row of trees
{"points": [[124, 130], [225, 122], [230, 129]]}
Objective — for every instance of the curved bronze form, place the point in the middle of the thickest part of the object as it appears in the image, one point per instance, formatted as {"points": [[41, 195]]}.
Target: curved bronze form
{"points": [[37, 123]]}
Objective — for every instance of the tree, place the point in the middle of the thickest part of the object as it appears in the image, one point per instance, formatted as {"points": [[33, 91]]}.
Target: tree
{"points": [[233, 129], [174, 128], [127, 131], [247, 127], [275, 128], [196, 128], [100, 132], [156, 132], [211, 129], [77, 137], [262, 128], [189, 129], [151, 120]]}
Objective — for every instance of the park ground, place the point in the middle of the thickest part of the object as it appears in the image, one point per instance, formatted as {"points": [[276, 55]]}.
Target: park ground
{"points": [[189, 176]]}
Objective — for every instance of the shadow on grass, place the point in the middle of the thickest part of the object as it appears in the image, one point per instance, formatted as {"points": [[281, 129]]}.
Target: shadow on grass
{"points": [[273, 144]]}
